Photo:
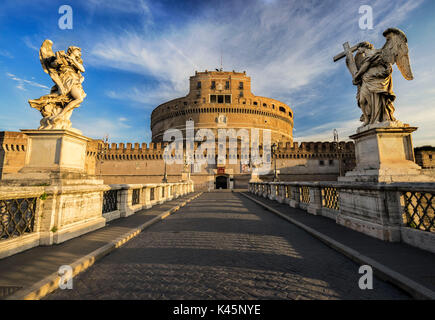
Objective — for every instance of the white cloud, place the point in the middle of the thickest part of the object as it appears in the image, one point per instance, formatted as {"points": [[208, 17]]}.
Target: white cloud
{"points": [[21, 83], [283, 45]]}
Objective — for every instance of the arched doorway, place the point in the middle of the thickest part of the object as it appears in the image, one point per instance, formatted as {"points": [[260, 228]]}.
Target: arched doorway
{"points": [[221, 182]]}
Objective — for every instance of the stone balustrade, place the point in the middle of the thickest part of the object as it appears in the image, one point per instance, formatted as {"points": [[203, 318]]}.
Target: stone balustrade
{"points": [[392, 212], [46, 215]]}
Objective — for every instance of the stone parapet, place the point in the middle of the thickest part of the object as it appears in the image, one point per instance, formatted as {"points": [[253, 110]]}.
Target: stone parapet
{"points": [[392, 212]]}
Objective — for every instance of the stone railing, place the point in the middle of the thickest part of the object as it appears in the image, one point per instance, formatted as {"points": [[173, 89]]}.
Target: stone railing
{"points": [[45, 215], [392, 212], [123, 200]]}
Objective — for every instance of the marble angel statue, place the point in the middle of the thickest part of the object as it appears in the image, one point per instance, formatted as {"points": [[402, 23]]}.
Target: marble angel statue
{"points": [[374, 76], [65, 69]]}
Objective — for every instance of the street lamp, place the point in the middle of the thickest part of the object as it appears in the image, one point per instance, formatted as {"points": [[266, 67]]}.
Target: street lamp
{"points": [[275, 177], [338, 148], [103, 151], [165, 176]]}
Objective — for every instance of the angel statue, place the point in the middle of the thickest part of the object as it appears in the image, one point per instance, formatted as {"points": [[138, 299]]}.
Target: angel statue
{"points": [[372, 70], [65, 69]]}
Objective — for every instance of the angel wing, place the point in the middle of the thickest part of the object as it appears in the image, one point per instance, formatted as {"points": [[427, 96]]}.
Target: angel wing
{"points": [[47, 56], [396, 51]]}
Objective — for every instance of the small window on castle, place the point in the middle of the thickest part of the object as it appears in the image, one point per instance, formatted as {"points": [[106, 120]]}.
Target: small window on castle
{"points": [[213, 84], [241, 94], [241, 85], [198, 85], [331, 162], [273, 106], [255, 103], [290, 114], [185, 103], [264, 105], [321, 162], [213, 98], [282, 109], [220, 98], [227, 85], [430, 157], [227, 99]]}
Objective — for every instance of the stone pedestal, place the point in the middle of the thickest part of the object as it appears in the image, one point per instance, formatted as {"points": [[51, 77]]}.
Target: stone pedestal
{"points": [[185, 176], [53, 157], [384, 155], [72, 202]]}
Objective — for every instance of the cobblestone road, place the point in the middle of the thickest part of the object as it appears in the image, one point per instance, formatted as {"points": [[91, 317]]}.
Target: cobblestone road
{"points": [[223, 246]]}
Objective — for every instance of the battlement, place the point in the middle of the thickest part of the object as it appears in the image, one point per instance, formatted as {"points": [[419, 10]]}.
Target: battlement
{"points": [[154, 151], [13, 141]]}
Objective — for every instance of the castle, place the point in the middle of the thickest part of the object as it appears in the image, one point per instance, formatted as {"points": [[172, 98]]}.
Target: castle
{"points": [[216, 100]]}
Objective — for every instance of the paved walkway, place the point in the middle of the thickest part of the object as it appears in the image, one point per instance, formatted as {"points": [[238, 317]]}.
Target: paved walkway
{"points": [[414, 263], [25, 269], [224, 246]]}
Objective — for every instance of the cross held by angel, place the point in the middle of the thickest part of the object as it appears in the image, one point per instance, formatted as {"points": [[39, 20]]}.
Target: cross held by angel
{"points": [[65, 69], [372, 69]]}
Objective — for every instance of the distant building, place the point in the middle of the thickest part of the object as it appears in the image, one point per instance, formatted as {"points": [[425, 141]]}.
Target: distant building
{"points": [[425, 157]]}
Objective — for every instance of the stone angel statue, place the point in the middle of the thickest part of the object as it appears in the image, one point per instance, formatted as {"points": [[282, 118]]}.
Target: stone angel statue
{"points": [[374, 68], [65, 69]]}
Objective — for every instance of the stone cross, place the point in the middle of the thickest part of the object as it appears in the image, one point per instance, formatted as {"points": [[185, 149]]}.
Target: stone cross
{"points": [[350, 60]]}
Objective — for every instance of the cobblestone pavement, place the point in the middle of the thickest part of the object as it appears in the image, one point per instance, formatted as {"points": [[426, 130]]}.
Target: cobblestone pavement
{"points": [[224, 246]]}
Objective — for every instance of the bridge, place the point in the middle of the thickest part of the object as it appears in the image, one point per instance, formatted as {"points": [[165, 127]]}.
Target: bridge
{"points": [[218, 245]]}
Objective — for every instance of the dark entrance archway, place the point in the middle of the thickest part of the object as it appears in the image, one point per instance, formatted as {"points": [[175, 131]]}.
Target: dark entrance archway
{"points": [[221, 182]]}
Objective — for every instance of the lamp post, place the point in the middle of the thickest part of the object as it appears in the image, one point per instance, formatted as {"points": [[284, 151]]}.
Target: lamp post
{"points": [[338, 148], [275, 177], [103, 152], [165, 176]]}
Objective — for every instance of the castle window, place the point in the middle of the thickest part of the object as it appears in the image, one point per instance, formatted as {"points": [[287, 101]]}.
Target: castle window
{"points": [[213, 84], [241, 94], [282, 109], [241, 85], [227, 99], [273, 106], [212, 98], [220, 98], [198, 85], [290, 114], [227, 84], [264, 105], [321, 162], [331, 162], [255, 103]]}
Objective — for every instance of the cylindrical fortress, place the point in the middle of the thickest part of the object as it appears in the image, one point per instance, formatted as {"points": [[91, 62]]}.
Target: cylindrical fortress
{"points": [[221, 99]]}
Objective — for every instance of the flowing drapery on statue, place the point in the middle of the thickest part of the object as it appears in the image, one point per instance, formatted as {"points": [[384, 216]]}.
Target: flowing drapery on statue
{"points": [[373, 76], [65, 69]]}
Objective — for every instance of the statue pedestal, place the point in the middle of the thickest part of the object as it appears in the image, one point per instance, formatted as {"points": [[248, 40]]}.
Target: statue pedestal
{"points": [[185, 176], [255, 177], [53, 157], [385, 155], [72, 201]]}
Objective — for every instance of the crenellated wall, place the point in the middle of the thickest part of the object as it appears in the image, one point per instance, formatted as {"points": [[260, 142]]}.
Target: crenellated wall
{"points": [[143, 163]]}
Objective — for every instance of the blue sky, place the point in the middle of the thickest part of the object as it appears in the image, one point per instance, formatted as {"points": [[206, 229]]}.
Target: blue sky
{"points": [[138, 54]]}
